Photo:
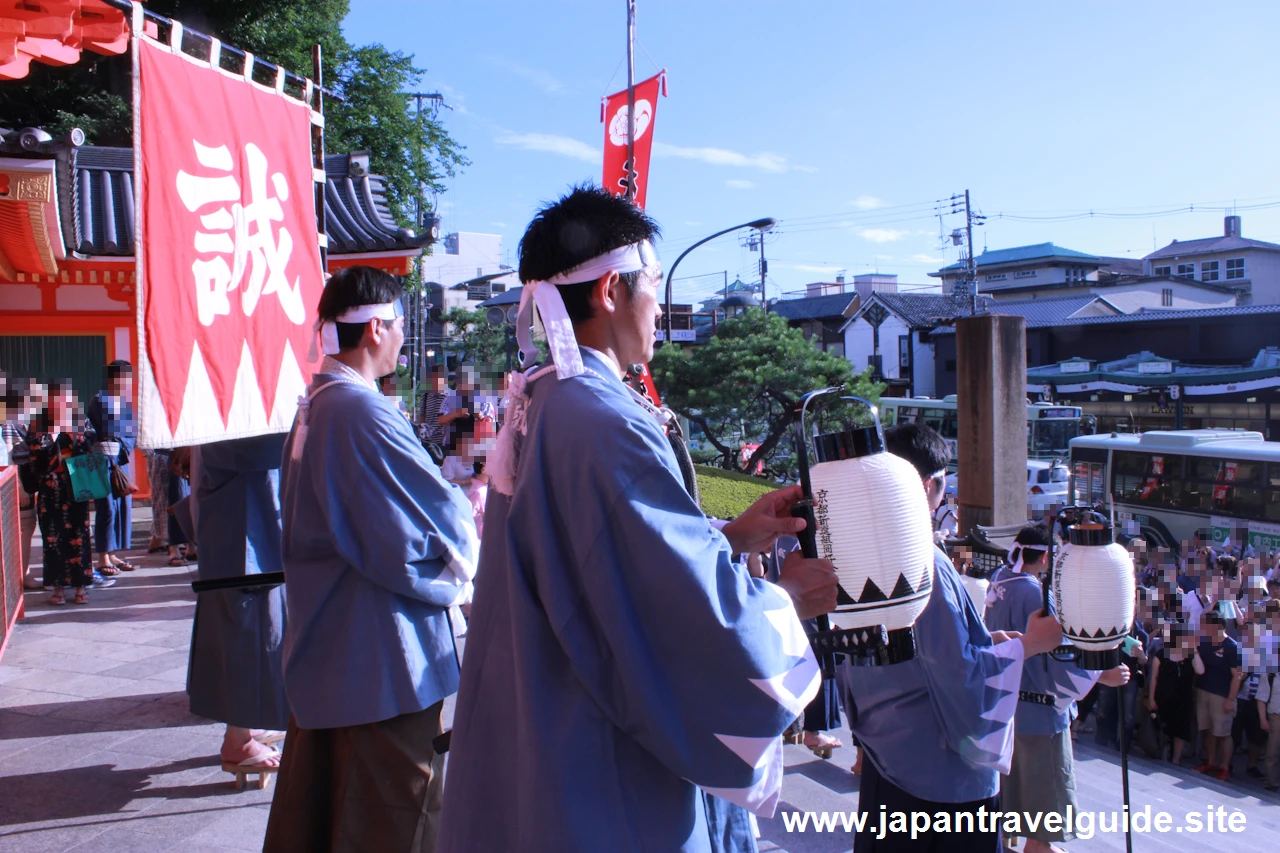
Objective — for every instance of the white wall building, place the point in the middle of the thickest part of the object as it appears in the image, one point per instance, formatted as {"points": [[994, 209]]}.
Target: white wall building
{"points": [[465, 256], [1251, 267]]}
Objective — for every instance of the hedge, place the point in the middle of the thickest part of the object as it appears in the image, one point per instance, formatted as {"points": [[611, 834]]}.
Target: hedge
{"points": [[725, 494]]}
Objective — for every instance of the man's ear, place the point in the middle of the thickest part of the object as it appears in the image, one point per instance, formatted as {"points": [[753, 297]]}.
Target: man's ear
{"points": [[605, 293]]}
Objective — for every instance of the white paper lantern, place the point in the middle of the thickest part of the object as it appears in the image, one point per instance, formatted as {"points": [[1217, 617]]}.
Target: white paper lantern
{"points": [[873, 524], [1093, 588]]}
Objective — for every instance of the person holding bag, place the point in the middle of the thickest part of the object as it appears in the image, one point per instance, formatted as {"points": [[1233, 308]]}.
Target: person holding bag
{"points": [[64, 520], [110, 415]]}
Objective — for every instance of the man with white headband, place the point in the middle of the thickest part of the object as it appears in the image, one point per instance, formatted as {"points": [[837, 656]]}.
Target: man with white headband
{"points": [[622, 671], [377, 548], [1041, 779], [936, 731]]}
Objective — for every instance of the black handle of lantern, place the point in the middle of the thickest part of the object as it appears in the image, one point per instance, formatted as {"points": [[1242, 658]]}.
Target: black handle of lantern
{"points": [[1124, 771], [804, 509]]}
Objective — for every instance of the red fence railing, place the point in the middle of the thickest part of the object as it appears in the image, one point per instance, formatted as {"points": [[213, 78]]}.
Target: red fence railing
{"points": [[11, 568]]}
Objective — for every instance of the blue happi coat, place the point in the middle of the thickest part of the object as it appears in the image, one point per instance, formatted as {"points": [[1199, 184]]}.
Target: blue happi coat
{"points": [[236, 639], [1011, 600], [616, 657], [374, 544], [939, 725]]}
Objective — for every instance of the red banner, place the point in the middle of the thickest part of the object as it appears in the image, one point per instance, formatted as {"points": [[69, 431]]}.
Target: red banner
{"points": [[228, 256], [618, 172]]}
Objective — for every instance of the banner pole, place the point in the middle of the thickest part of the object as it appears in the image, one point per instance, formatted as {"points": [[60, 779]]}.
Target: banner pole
{"points": [[317, 152], [632, 171]]}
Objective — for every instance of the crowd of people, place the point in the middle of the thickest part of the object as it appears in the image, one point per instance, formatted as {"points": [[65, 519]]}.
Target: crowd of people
{"points": [[73, 466], [629, 664], [1205, 647]]}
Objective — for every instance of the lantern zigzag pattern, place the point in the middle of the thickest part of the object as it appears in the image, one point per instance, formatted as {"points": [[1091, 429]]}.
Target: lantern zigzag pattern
{"points": [[873, 523], [902, 591], [1093, 588]]}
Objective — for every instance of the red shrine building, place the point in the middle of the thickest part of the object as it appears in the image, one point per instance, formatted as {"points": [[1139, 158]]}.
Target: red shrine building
{"points": [[68, 297]]}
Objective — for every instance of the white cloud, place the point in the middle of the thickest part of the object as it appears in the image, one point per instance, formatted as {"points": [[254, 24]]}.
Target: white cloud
{"points": [[552, 144], [927, 259], [867, 202], [764, 161], [739, 184], [542, 79], [882, 235], [498, 224]]}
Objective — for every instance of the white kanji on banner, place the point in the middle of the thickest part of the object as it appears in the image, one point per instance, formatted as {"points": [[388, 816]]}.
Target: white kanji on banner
{"points": [[246, 233]]}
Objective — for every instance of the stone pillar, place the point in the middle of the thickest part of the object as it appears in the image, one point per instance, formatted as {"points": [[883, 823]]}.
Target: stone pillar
{"points": [[991, 387]]}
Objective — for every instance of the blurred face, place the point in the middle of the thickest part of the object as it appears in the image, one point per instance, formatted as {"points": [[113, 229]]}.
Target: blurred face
{"points": [[388, 337], [122, 386], [935, 490], [439, 383], [637, 317]]}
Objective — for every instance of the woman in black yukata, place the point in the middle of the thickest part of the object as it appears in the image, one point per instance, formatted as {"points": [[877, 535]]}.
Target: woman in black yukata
{"points": [[64, 521]]}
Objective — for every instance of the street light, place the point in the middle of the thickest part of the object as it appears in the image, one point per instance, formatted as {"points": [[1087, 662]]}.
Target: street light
{"points": [[760, 225]]}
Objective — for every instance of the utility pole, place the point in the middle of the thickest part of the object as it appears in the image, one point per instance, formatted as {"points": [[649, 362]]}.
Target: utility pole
{"points": [[756, 241], [968, 287], [764, 268], [973, 264], [420, 303], [631, 100]]}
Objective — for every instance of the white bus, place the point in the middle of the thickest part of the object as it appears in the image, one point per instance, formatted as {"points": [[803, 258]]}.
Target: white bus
{"points": [[1168, 486], [1050, 428]]}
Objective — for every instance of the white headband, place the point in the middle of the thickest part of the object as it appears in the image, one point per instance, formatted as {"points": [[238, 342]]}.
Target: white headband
{"points": [[327, 330], [555, 319], [1015, 554]]}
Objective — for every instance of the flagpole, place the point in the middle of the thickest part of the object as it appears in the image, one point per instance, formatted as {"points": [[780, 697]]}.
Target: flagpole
{"points": [[631, 100]]}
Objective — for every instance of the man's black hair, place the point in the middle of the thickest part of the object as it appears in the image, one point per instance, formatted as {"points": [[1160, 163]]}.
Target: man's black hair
{"points": [[351, 288], [920, 445], [119, 369], [581, 225], [1033, 534]]}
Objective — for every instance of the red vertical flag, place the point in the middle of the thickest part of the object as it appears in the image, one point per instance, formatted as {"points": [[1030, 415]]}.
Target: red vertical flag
{"points": [[618, 172], [228, 252]]}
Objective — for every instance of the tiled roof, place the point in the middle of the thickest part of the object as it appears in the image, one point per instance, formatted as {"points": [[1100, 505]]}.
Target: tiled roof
{"points": [[814, 307], [1049, 312], [1121, 266], [98, 206], [1125, 280], [1145, 316], [1018, 254], [918, 310], [1042, 312], [507, 297], [1209, 245]]}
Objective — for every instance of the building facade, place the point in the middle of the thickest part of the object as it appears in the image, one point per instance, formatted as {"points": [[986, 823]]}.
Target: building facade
{"points": [[1250, 267]]}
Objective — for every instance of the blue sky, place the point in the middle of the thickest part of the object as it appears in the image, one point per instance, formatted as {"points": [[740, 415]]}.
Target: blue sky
{"points": [[847, 120]]}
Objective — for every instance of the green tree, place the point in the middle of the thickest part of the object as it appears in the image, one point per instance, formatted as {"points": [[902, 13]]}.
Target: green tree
{"points": [[472, 339], [94, 94], [743, 385]]}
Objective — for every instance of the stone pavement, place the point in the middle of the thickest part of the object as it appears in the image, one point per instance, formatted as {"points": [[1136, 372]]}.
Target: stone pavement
{"points": [[97, 749], [99, 753]]}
